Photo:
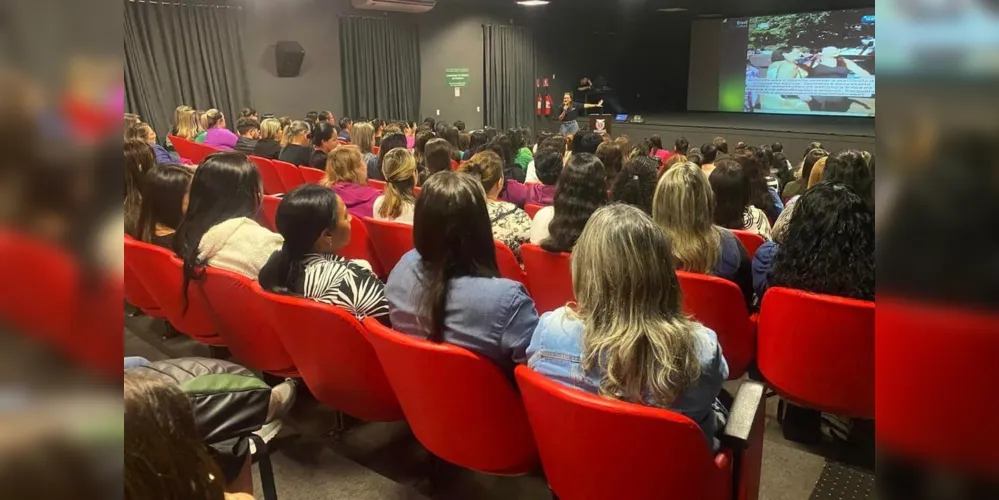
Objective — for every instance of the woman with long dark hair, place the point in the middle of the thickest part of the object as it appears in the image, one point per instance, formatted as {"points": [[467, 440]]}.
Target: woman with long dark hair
{"points": [[798, 186], [448, 288], [581, 190], [315, 225], [219, 229], [732, 207], [755, 168], [635, 184], [389, 142], [138, 160], [164, 201]]}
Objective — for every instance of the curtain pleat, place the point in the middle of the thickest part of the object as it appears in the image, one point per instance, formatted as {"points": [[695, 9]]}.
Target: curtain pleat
{"points": [[509, 57], [183, 54], [380, 58]]}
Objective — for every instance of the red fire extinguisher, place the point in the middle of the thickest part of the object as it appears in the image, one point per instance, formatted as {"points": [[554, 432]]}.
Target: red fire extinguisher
{"points": [[539, 105], [548, 104]]}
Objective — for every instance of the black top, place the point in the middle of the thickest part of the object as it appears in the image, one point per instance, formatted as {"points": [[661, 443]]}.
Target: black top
{"points": [[296, 155], [571, 114], [245, 145], [267, 148], [318, 160]]}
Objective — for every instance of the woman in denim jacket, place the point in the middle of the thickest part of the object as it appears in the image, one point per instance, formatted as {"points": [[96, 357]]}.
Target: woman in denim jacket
{"points": [[626, 337]]}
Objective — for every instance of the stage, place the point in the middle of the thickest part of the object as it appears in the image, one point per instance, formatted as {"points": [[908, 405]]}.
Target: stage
{"points": [[795, 132]]}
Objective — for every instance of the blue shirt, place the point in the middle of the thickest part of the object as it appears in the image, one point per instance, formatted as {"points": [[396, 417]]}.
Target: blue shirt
{"points": [[734, 265], [493, 317], [763, 263], [556, 352]]}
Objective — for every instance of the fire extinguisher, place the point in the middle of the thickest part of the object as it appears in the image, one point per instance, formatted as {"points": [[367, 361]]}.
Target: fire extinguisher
{"points": [[539, 105], [548, 104]]}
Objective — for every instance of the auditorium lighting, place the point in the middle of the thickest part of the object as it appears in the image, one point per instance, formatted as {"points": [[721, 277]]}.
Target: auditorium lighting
{"points": [[533, 3]]}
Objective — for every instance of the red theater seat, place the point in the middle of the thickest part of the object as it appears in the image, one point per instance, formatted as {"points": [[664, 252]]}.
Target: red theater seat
{"points": [[509, 268], [532, 209], [379, 185], [391, 241], [268, 175], [360, 247], [136, 293], [719, 305], [186, 149], [290, 176], [750, 240], [268, 211], [312, 175], [549, 277]]}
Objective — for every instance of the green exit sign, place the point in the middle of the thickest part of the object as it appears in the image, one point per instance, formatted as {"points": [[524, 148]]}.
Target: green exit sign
{"points": [[456, 77]]}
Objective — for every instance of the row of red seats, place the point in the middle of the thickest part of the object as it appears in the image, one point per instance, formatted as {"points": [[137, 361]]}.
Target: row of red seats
{"points": [[476, 419]]}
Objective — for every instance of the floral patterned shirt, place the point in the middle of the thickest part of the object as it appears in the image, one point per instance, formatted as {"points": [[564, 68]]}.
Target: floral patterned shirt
{"points": [[511, 225], [347, 284]]}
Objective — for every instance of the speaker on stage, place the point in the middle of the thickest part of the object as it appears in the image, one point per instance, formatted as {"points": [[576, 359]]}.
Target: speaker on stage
{"points": [[289, 55]]}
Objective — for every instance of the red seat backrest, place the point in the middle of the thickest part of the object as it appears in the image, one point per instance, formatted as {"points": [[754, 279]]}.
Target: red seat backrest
{"points": [[584, 440], [186, 149], [376, 184], [312, 175], [333, 356], [162, 274], [290, 176], [532, 209], [361, 247], [43, 286], [549, 277], [916, 415], [390, 240], [750, 240], [818, 350], [240, 319], [268, 174], [136, 293], [719, 305], [509, 268], [203, 151], [268, 211], [459, 405]]}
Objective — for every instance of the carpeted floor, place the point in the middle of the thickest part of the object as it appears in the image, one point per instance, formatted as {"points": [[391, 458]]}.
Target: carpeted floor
{"points": [[384, 460]]}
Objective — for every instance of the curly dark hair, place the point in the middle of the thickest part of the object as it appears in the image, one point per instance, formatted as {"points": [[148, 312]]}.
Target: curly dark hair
{"points": [[612, 158], [635, 184], [581, 190], [754, 166], [731, 188], [829, 244], [548, 165], [850, 168]]}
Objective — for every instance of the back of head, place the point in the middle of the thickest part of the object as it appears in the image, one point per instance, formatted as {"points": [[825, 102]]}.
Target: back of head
{"points": [[164, 188], [345, 123], [681, 145], [437, 156], [548, 165], [464, 140], [586, 142], [557, 142], [755, 167], [430, 122], [731, 189], [476, 140], [213, 118], [422, 138], [721, 144], [675, 159], [322, 134], [390, 142], [270, 129], [139, 159], [628, 298], [399, 169], [248, 113], [298, 131], [624, 142], [694, 156], [656, 140], [709, 152], [506, 146], [305, 214], [178, 113], [516, 139], [187, 125], [490, 132], [460, 125], [777, 147], [324, 116], [344, 164], [452, 233], [139, 132], [811, 259], [246, 125], [581, 190], [485, 166], [362, 135], [165, 457], [636, 183], [850, 167], [811, 146], [312, 117], [451, 136], [612, 158], [811, 158], [684, 207], [818, 172]]}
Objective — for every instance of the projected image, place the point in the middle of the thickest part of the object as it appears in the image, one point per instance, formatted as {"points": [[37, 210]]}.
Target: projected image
{"points": [[811, 63]]}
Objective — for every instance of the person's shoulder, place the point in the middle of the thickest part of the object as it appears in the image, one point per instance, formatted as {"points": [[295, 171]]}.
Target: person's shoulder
{"points": [[558, 328], [545, 213]]}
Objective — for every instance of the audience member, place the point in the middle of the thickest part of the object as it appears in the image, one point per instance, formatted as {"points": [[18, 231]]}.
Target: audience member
{"points": [[448, 288], [851, 167], [249, 134], [138, 160], [586, 142], [216, 135], [624, 143], [410, 132], [285, 122], [437, 156], [389, 142], [345, 125], [684, 207], [185, 125], [164, 201], [721, 144], [477, 139], [269, 145], [761, 195], [451, 135], [548, 162], [464, 143], [523, 155], [612, 158], [581, 190], [422, 138], [815, 175], [323, 141], [626, 336], [510, 224], [378, 126], [556, 142], [298, 150], [708, 154], [249, 113], [143, 132], [695, 157], [658, 150], [363, 136], [312, 118], [347, 174], [130, 119], [674, 160], [460, 125], [399, 200], [315, 225], [491, 132], [681, 145], [202, 126], [326, 117], [733, 209], [798, 186], [219, 229], [635, 184]]}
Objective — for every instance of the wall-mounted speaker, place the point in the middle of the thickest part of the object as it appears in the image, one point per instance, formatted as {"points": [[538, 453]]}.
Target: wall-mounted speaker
{"points": [[289, 55]]}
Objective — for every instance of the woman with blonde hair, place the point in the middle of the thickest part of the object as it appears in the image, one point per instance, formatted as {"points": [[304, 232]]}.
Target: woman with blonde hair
{"points": [[298, 147], [271, 135], [626, 336], [511, 225], [399, 200], [362, 135], [187, 125], [684, 207], [217, 135], [347, 174]]}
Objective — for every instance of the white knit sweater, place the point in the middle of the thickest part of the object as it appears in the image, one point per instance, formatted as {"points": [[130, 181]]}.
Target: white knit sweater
{"points": [[239, 245]]}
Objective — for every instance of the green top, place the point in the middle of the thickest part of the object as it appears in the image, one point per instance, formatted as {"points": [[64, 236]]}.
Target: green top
{"points": [[524, 158], [201, 137]]}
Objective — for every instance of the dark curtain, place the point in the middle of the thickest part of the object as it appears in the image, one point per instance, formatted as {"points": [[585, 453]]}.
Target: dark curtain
{"points": [[509, 81], [380, 61], [183, 54]]}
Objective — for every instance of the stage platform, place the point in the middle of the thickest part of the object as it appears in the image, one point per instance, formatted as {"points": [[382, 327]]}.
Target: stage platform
{"points": [[795, 132]]}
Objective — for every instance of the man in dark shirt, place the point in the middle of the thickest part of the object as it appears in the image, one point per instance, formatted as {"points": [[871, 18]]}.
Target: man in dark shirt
{"points": [[345, 124], [249, 132], [569, 112]]}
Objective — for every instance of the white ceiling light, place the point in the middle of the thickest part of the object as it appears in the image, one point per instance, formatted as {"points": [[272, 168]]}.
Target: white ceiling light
{"points": [[533, 3]]}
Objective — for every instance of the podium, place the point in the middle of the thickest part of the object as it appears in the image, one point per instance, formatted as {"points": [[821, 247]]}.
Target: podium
{"points": [[601, 122]]}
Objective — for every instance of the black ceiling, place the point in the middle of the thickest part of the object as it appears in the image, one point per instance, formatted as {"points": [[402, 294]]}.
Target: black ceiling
{"points": [[726, 8]]}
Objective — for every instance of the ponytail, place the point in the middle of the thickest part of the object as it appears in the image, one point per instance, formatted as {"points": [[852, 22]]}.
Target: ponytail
{"points": [[433, 298], [398, 167], [283, 270]]}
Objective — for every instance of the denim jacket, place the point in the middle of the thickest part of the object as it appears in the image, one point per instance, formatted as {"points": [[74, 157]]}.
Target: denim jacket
{"points": [[556, 352], [493, 317]]}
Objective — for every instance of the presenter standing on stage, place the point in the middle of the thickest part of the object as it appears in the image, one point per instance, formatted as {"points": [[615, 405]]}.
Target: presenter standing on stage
{"points": [[569, 112]]}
